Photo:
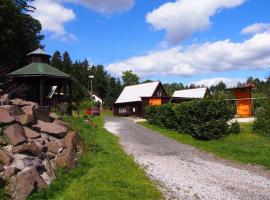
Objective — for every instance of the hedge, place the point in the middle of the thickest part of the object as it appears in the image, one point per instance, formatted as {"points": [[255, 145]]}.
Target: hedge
{"points": [[203, 119], [262, 114]]}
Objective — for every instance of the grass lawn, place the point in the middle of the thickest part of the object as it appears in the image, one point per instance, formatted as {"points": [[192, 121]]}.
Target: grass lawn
{"points": [[246, 147], [104, 172]]}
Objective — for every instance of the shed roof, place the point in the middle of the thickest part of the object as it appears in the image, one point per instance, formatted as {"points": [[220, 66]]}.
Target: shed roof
{"points": [[197, 93], [38, 51], [135, 92], [38, 69]]}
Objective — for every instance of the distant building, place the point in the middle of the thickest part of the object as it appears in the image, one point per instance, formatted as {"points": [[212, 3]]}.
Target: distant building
{"points": [[196, 93], [97, 98], [133, 99]]}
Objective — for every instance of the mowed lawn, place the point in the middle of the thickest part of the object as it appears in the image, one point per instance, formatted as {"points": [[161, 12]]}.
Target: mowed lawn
{"points": [[246, 147], [104, 172]]}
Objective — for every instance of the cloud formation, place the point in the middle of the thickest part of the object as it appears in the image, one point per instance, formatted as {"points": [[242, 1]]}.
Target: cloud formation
{"points": [[105, 6], [256, 28], [230, 82], [52, 17], [204, 58], [183, 17]]}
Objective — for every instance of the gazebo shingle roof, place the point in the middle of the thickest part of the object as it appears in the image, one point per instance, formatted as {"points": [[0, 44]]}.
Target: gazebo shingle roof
{"points": [[38, 51], [38, 69]]}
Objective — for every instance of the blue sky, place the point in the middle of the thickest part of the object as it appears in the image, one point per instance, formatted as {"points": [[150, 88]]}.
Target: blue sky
{"points": [[172, 41]]}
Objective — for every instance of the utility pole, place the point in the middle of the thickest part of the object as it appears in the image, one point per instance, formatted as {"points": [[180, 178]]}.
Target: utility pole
{"points": [[91, 77]]}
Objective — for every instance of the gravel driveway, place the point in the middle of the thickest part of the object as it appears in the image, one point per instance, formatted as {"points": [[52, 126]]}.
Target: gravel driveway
{"points": [[183, 172]]}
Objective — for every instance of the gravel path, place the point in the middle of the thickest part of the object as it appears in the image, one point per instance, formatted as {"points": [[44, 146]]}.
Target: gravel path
{"points": [[183, 172]]}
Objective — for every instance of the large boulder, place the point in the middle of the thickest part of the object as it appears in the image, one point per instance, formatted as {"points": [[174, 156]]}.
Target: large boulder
{"points": [[14, 110], [9, 172], [24, 119], [4, 99], [5, 116], [72, 141], [60, 122], [31, 148], [33, 161], [5, 157], [66, 159], [54, 147], [15, 134], [31, 134], [55, 130], [42, 113], [25, 183], [21, 102], [53, 116], [49, 175]]}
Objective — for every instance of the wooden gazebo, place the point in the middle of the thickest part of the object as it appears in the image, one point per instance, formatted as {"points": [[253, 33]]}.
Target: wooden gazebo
{"points": [[40, 75]]}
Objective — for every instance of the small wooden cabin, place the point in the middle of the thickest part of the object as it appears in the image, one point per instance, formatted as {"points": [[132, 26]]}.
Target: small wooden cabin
{"points": [[244, 103], [133, 99]]}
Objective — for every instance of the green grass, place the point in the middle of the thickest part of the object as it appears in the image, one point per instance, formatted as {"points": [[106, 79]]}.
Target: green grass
{"points": [[104, 172], [246, 147]]}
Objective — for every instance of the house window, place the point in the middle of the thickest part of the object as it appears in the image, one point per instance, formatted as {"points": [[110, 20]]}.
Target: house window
{"points": [[159, 93], [122, 110], [134, 110]]}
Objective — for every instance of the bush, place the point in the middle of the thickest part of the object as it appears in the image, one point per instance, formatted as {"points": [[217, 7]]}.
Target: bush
{"points": [[262, 122], [234, 128], [203, 119], [163, 115]]}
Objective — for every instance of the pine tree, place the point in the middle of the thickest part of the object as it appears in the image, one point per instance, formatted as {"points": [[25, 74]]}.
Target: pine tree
{"points": [[57, 61], [67, 63]]}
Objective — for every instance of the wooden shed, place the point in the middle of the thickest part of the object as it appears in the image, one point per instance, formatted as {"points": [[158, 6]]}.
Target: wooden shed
{"points": [[244, 103], [133, 99]]}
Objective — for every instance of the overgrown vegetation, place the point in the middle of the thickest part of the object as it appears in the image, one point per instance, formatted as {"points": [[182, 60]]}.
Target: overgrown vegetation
{"points": [[262, 122], [203, 119], [104, 172], [246, 147]]}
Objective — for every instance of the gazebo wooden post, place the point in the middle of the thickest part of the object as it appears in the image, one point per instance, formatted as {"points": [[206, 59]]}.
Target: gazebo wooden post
{"points": [[65, 90], [69, 111], [41, 91], [58, 93]]}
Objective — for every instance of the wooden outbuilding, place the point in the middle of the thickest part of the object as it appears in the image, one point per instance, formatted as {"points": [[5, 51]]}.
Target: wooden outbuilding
{"points": [[244, 103], [52, 86], [133, 99]]}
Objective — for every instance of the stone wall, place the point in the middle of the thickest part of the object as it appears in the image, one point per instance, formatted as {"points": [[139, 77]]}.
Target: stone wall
{"points": [[33, 142]]}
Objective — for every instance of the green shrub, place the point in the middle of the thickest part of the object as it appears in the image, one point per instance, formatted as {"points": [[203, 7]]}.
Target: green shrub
{"points": [[163, 115], [203, 119], [234, 128], [262, 122]]}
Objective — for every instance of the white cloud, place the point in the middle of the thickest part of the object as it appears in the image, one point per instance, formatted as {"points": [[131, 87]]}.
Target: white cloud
{"points": [[52, 17], [230, 82], [183, 17], [105, 6], [256, 28], [202, 58]]}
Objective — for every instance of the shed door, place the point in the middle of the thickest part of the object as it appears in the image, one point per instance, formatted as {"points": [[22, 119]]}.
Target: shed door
{"points": [[243, 107]]}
